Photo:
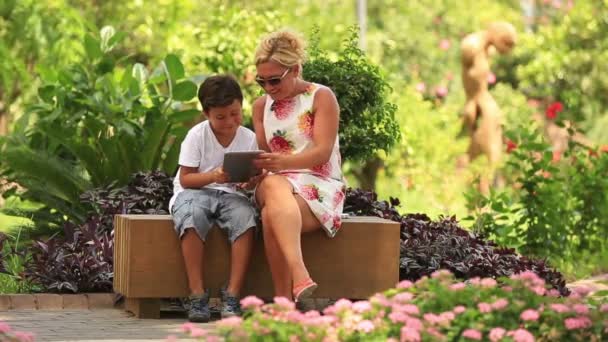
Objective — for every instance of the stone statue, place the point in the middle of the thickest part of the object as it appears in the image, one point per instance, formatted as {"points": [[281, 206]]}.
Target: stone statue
{"points": [[482, 119]]}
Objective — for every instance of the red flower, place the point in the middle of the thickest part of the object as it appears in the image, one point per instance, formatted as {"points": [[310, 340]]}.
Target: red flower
{"points": [[511, 145], [592, 153], [557, 156], [553, 109], [604, 148]]}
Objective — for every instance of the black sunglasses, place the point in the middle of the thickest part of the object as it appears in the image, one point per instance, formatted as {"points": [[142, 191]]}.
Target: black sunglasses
{"points": [[273, 81]]}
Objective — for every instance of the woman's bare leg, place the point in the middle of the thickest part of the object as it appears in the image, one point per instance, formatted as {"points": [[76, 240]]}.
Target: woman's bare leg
{"points": [[286, 220]]}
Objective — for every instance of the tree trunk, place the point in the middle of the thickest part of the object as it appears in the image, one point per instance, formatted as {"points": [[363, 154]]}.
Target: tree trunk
{"points": [[3, 122], [368, 173]]}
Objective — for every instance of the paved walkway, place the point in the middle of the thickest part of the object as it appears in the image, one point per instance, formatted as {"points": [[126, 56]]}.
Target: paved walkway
{"points": [[94, 325]]}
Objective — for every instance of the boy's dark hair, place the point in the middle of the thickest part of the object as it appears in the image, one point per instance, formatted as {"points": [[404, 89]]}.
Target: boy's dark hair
{"points": [[219, 91]]}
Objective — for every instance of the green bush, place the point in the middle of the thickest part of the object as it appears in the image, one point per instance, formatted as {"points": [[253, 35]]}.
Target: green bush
{"points": [[367, 119], [95, 123], [438, 308], [559, 204]]}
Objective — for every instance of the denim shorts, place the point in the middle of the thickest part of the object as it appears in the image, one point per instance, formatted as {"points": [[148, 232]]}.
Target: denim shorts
{"points": [[201, 209]]}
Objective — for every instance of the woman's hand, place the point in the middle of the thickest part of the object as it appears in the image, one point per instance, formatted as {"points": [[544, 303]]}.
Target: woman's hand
{"points": [[273, 162]]}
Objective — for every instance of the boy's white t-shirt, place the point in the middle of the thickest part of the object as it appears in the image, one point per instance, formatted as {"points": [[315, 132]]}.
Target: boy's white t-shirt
{"points": [[201, 149]]}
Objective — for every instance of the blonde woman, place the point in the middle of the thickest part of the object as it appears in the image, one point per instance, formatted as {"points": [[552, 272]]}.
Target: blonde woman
{"points": [[296, 122]]}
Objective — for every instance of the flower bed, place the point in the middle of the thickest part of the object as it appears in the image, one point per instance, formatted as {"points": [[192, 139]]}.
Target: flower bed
{"points": [[436, 308]]}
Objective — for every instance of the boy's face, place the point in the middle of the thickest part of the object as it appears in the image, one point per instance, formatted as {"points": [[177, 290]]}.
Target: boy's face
{"points": [[225, 120]]}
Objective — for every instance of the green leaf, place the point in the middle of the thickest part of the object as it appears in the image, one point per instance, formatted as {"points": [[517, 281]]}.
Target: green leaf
{"points": [[174, 68], [156, 137], [92, 47], [184, 91], [106, 33], [140, 72], [117, 38], [184, 115]]}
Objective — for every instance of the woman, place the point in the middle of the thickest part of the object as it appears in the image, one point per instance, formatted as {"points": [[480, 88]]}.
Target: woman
{"points": [[296, 122]]}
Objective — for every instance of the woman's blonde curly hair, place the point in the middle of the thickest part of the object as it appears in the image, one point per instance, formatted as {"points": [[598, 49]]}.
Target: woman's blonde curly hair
{"points": [[285, 47]]}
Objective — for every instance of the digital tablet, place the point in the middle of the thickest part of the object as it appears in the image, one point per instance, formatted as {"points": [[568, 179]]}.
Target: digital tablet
{"points": [[239, 165]]}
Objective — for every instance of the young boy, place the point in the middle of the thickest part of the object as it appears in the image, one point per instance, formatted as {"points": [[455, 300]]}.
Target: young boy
{"points": [[203, 197]]}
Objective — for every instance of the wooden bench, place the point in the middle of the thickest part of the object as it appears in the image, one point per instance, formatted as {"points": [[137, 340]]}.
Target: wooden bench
{"points": [[148, 265]]}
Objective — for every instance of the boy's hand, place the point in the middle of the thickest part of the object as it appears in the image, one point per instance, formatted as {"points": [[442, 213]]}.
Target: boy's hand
{"points": [[253, 181], [219, 176]]}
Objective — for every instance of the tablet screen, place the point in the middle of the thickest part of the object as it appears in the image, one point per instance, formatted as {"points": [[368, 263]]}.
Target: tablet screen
{"points": [[239, 165]]}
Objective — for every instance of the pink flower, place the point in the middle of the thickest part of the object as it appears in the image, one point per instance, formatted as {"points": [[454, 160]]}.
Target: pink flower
{"points": [[405, 284], [484, 307], [447, 316], [171, 338], [459, 309], [410, 335], [343, 304], [472, 334], [488, 282], [24, 336], [398, 317], [361, 306], [186, 327], [441, 91], [500, 304], [432, 318], [559, 308], [403, 297], [539, 290], [421, 87], [414, 323], [496, 334], [284, 303], [457, 286], [409, 309], [441, 274], [521, 335], [582, 290], [365, 326], [251, 302], [530, 315], [4, 328], [581, 309], [491, 78], [435, 333], [553, 293], [230, 322], [444, 44], [580, 322], [380, 299], [604, 308], [198, 332]]}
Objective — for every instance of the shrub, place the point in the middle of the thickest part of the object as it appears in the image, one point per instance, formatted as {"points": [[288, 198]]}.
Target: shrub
{"points": [[82, 259], [95, 123], [436, 308], [367, 120], [558, 204], [427, 246]]}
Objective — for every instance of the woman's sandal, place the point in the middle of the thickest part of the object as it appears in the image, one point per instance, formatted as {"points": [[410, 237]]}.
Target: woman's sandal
{"points": [[304, 289]]}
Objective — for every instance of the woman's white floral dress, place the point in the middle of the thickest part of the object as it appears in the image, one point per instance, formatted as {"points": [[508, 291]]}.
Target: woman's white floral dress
{"points": [[288, 125]]}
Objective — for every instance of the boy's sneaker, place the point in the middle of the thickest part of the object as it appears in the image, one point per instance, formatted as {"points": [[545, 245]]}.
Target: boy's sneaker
{"points": [[231, 305], [199, 308]]}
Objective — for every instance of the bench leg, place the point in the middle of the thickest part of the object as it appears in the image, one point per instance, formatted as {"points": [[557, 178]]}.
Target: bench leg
{"points": [[143, 307]]}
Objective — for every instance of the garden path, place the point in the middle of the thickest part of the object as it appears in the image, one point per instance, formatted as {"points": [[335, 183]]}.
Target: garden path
{"points": [[107, 325]]}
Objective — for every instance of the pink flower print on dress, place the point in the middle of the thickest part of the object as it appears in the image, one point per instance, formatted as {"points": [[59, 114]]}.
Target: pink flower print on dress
{"points": [[311, 193], [337, 222], [323, 169], [280, 143], [338, 198], [310, 89], [306, 122], [282, 108], [326, 217]]}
